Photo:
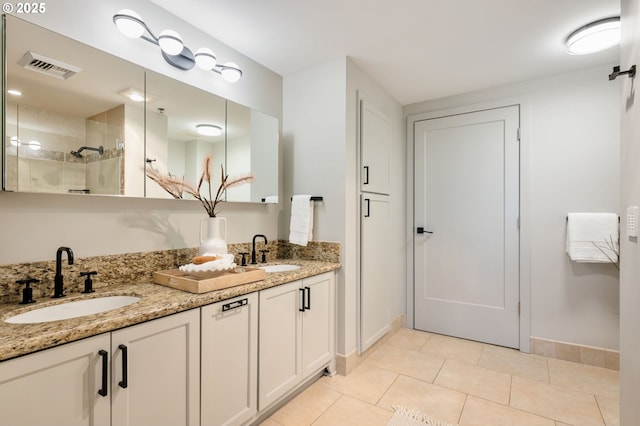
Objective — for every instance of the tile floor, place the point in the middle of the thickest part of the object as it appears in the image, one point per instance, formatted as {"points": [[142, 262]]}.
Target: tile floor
{"points": [[458, 381]]}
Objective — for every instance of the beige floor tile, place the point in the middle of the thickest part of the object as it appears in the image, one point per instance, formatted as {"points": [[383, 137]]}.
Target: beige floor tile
{"points": [[349, 411], [478, 412], [586, 378], [432, 400], [406, 361], [305, 408], [451, 347], [367, 382], [270, 422], [610, 409], [482, 382], [555, 402], [409, 339], [515, 362]]}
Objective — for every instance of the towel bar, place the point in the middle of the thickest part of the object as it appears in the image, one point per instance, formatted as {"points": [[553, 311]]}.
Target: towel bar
{"points": [[314, 198]]}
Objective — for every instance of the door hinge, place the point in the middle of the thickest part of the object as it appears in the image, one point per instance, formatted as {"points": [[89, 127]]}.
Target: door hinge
{"points": [[518, 222], [518, 133], [518, 308]]}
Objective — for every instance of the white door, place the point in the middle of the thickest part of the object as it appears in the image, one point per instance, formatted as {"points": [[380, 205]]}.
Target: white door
{"points": [[156, 372], [375, 137], [375, 309], [466, 202]]}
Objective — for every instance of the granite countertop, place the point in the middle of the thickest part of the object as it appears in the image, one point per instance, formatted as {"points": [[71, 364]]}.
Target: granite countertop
{"points": [[156, 301]]}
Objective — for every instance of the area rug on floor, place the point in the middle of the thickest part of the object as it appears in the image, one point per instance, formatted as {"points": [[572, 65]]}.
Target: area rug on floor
{"points": [[406, 417]]}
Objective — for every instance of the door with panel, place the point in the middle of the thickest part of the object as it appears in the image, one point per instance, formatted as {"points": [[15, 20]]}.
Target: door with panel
{"points": [[67, 385], [156, 372], [466, 244]]}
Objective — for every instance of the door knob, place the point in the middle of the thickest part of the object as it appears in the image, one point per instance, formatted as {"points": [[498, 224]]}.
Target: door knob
{"points": [[420, 230]]}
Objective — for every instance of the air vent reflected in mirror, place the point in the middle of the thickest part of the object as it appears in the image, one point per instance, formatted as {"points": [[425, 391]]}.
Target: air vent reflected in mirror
{"points": [[52, 67]]}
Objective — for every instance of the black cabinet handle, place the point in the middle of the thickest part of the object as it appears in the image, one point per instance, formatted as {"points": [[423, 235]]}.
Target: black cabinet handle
{"points": [[366, 175], [105, 366], [368, 212], [308, 303], [123, 383], [420, 230], [301, 308], [234, 305]]}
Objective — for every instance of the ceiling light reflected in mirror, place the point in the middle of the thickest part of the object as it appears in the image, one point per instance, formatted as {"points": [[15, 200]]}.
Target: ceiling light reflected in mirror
{"points": [[209, 130], [594, 37]]}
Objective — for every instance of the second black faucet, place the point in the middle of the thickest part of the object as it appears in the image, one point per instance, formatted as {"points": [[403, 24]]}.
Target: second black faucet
{"points": [[253, 248]]}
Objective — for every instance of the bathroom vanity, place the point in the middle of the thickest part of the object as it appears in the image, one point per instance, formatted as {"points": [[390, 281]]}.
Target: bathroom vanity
{"points": [[173, 358]]}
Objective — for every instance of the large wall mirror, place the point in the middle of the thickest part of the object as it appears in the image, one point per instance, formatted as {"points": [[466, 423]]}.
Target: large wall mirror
{"points": [[79, 120]]}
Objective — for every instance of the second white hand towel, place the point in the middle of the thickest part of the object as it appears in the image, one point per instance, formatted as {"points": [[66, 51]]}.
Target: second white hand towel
{"points": [[301, 226], [592, 237]]}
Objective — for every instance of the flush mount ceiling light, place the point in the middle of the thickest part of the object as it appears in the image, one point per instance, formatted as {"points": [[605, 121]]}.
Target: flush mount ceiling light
{"points": [[136, 95], [209, 130], [14, 92], [594, 37], [172, 47]]}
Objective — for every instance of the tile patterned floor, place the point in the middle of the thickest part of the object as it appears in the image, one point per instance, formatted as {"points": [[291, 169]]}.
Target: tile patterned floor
{"points": [[458, 381]]}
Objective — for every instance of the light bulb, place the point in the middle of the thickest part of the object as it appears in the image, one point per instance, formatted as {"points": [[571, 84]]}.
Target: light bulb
{"points": [[205, 58], [230, 72], [34, 145], [170, 42], [129, 23]]}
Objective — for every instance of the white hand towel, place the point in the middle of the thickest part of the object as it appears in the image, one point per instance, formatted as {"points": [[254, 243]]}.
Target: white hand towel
{"points": [[592, 237], [301, 226]]}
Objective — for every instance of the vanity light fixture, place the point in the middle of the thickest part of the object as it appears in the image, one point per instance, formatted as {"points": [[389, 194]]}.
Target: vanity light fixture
{"points": [[34, 145], [594, 37], [208, 130], [172, 47]]}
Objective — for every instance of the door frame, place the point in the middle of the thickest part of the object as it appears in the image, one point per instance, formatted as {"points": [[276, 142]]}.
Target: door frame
{"points": [[524, 205]]}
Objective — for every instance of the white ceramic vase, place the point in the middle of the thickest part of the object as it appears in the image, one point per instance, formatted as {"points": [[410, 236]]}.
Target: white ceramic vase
{"points": [[213, 235]]}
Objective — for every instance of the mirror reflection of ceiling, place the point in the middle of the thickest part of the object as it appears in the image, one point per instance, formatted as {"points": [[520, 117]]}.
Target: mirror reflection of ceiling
{"points": [[83, 97]]}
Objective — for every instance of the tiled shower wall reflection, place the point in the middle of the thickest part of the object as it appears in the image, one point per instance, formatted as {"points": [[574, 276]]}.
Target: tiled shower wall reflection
{"points": [[52, 168]]}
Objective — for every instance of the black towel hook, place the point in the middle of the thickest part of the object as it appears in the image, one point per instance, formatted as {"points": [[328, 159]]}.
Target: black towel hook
{"points": [[616, 72]]}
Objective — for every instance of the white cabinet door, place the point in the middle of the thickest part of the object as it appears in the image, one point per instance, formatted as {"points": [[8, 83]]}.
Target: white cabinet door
{"points": [[375, 311], [58, 386], [229, 367], [280, 333], [375, 135], [318, 322], [156, 372], [297, 334]]}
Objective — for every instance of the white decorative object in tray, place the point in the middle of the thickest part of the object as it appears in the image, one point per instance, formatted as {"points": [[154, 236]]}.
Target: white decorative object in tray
{"points": [[210, 269]]}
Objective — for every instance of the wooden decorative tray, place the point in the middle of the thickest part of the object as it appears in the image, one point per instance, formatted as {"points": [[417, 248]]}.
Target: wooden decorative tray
{"points": [[177, 279]]}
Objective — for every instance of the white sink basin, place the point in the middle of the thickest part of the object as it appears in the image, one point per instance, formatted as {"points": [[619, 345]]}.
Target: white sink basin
{"points": [[75, 309], [280, 268]]}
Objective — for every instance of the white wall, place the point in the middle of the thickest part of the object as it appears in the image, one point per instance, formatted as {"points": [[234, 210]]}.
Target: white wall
{"points": [[570, 162], [320, 158], [35, 225], [630, 196]]}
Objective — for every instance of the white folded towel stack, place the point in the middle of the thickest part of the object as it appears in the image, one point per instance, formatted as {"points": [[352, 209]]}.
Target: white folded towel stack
{"points": [[301, 226], [593, 237]]}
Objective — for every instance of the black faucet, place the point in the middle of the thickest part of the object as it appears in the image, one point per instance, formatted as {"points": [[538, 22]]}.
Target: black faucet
{"points": [[58, 289], [253, 247]]}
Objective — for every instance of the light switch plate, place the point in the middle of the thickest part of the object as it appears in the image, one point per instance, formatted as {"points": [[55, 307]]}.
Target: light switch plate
{"points": [[632, 221]]}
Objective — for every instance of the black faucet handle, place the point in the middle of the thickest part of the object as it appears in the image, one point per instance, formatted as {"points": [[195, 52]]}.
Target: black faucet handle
{"points": [[27, 292], [88, 282], [244, 258], [264, 255]]}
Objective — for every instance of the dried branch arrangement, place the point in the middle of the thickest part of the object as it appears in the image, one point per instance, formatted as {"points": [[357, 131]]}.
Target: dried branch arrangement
{"points": [[178, 187]]}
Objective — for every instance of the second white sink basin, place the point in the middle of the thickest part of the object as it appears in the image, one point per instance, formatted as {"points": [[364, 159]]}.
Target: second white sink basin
{"points": [[279, 268], [75, 309]]}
